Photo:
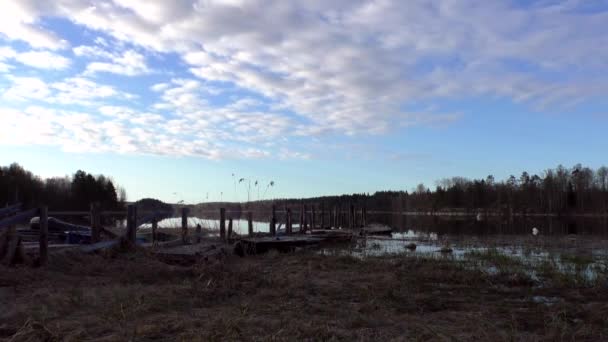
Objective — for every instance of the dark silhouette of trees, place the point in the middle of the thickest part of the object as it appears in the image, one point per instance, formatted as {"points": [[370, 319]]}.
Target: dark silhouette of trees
{"points": [[556, 191], [67, 193]]}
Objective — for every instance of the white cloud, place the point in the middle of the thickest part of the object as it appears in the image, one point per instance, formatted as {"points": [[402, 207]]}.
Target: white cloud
{"points": [[74, 90], [336, 67], [130, 63], [43, 60]]}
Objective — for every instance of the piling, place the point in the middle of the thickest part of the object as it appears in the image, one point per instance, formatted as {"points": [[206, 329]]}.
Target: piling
{"points": [[302, 219], [131, 223], [312, 217], [351, 217], [288, 229], [154, 228], [250, 223], [95, 223], [184, 225], [273, 221], [222, 224], [229, 229], [199, 231]]}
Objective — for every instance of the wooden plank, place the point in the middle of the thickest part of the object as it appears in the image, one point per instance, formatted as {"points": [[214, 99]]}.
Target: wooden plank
{"points": [[223, 224], [10, 210], [100, 245], [44, 239], [114, 213], [69, 213], [23, 216]]}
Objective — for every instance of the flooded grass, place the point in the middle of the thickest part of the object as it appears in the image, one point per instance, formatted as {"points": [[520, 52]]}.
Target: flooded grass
{"points": [[302, 295]]}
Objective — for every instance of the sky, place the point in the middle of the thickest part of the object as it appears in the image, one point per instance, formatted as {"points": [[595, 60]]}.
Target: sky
{"points": [[179, 100]]}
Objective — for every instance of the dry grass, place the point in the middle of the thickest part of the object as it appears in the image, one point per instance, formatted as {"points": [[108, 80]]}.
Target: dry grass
{"points": [[299, 296]]}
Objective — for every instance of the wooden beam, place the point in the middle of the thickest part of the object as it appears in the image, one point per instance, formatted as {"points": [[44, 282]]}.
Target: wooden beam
{"points": [[229, 229], [44, 236], [23, 216], [10, 209]]}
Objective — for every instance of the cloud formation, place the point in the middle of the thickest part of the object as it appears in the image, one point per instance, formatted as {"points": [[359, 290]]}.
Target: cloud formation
{"points": [[307, 68]]}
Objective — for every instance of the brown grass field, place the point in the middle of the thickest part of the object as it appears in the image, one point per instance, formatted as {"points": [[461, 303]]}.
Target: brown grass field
{"points": [[299, 296]]}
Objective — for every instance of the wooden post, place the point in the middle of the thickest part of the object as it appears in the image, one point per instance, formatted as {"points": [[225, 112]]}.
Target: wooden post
{"points": [[250, 223], [95, 223], [223, 224], [184, 225], [312, 217], [288, 222], [351, 217], [364, 223], [273, 221], [322, 216], [44, 236], [131, 223], [199, 231], [362, 219], [229, 229], [302, 219], [154, 228]]}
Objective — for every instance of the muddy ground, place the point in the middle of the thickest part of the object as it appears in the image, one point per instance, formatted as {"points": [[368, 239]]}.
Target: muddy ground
{"points": [[298, 296]]}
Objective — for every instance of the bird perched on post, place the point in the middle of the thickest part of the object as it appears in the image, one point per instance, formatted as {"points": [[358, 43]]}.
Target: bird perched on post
{"points": [[535, 231]]}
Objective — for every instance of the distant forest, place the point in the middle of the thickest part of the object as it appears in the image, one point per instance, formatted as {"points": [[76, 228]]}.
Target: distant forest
{"points": [[75, 192], [556, 191], [560, 190]]}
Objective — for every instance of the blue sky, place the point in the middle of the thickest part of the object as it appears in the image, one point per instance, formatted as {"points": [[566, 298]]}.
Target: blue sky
{"points": [[322, 97]]}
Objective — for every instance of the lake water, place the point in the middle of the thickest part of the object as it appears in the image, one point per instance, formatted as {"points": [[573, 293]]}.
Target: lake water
{"points": [[558, 241]]}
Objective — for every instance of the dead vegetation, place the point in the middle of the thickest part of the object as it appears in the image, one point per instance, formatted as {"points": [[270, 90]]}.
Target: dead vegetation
{"points": [[303, 295]]}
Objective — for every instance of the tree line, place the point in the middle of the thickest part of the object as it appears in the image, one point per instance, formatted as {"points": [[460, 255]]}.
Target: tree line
{"points": [[560, 190], [75, 192]]}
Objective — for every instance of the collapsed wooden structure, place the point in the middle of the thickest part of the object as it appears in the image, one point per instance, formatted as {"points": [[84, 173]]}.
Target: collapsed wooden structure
{"points": [[21, 246]]}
